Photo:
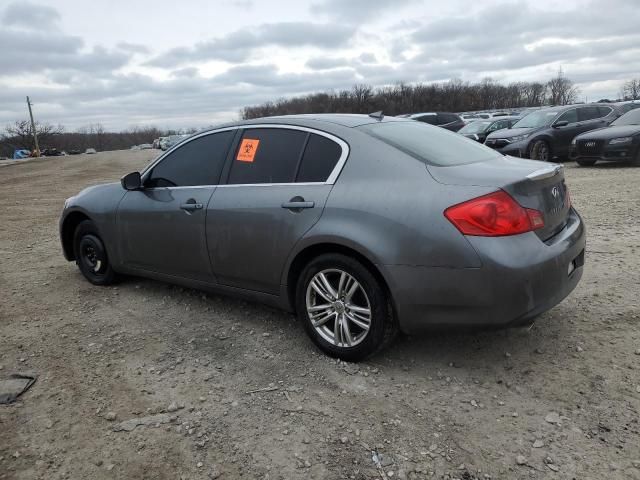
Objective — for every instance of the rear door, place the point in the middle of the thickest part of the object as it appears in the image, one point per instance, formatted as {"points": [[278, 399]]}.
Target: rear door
{"points": [[161, 228], [277, 184]]}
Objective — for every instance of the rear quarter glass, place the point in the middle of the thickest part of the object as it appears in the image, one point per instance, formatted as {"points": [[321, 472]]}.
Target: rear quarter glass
{"points": [[431, 145]]}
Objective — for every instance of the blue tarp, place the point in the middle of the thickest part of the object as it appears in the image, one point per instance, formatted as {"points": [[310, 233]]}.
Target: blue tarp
{"points": [[18, 154]]}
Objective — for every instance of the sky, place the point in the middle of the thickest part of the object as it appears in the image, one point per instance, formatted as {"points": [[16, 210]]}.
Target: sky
{"points": [[195, 63]]}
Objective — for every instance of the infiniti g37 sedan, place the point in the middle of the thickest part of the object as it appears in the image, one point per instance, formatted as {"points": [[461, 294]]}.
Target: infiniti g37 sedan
{"points": [[361, 225]]}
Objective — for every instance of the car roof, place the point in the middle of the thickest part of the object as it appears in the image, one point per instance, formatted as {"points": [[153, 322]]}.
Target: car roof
{"points": [[305, 120]]}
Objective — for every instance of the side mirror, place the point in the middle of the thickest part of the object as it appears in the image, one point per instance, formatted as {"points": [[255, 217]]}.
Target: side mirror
{"points": [[561, 123], [131, 181]]}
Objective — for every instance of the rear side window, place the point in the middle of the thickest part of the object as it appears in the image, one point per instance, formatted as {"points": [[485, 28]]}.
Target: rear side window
{"points": [[434, 146], [267, 155], [320, 158], [430, 119], [444, 118], [588, 113], [604, 111], [197, 162]]}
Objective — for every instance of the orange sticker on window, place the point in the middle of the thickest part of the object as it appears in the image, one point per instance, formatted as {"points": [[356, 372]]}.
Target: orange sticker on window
{"points": [[248, 149]]}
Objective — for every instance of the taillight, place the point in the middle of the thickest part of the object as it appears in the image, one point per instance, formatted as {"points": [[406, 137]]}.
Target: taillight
{"points": [[494, 215]]}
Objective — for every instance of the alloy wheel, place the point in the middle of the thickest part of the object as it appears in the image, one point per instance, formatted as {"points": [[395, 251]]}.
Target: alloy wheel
{"points": [[338, 308]]}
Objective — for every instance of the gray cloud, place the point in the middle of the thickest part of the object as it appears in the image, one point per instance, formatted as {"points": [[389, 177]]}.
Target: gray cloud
{"points": [[238, 45], [355, 11], [133, 47], [29, 15]]}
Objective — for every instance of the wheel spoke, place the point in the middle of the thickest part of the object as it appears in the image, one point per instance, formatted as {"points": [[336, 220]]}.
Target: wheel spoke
{"points": [[322, 318], [346, 333], [363, 324], [319, 288], [328, 288], [337, 332], [341, 284], [317, 308], [352, 290], [355, 308]]}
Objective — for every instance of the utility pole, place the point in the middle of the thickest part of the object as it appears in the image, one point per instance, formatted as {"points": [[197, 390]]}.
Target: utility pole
{"points": [[33, 128]]}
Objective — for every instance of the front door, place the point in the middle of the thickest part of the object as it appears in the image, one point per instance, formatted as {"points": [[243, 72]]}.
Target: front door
{"points": [[161, 228], [278, 184]]}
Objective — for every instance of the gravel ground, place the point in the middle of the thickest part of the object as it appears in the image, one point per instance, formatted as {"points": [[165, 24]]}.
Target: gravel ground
{"points": [[148, 380]]}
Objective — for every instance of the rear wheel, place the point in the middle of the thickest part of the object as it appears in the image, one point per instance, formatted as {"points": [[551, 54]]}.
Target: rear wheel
{"points": [[541, 150], [586, 163], [91, 255], [343, 307]]}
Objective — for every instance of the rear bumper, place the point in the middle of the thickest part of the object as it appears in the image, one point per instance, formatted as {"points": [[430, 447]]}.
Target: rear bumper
{"points": [[520, 278]]}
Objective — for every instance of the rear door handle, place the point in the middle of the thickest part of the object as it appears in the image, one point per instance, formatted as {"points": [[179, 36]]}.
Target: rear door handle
{"points": [[190, 207], [298, 205]]}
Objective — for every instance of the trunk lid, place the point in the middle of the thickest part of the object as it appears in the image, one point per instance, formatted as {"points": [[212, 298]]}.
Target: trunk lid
{"points": [[531, 183]]}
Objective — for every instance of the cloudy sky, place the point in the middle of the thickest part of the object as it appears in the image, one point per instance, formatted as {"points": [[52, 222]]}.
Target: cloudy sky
{"points": [[197, 62]]}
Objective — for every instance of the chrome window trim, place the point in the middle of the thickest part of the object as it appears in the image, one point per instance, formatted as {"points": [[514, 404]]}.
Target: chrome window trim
{"points": [[333, 176]]}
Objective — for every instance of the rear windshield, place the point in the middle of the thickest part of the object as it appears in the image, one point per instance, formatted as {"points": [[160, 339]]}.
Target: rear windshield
{"points": [[432, 145], [476, 127]]}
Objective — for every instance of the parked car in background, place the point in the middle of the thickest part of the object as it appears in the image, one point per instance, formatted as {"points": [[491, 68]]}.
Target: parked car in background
{"points": [[90, 151], [145, 146], [618, 141], [51, 152], [471, 117], [289, 211], [624, 107], [21, 153], [547, 133], [447, 120], [74, 151], [479, 129]]}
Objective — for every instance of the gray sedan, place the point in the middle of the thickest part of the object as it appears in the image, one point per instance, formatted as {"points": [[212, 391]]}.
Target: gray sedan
{"points": [[362, 225]]}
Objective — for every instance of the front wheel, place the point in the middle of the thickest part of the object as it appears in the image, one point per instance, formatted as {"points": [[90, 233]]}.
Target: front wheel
{"points": [[343, 307], [91, 255], [541, 150]]}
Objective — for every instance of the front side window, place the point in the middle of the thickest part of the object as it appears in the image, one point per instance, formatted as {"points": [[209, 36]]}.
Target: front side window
{"points": [[433, 146], [536, 119], [629, 118], [570, 116], [604, 111], [197, 162], [267, 155]]}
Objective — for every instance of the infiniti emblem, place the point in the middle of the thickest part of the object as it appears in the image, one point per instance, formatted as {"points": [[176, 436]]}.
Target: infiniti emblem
{"points": [[555, 191]]}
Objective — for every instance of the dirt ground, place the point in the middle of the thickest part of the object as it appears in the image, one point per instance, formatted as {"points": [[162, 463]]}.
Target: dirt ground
{"points": [[558, 401]]}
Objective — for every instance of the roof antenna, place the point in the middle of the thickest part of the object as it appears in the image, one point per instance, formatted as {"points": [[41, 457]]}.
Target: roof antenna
{"points": [[377, 115]]}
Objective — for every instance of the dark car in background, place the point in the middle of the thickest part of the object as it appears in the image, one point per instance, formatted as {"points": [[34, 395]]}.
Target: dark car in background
{"points": [[618, 141], [479, 129], [547, 133], [447, 120], [289, 211]]}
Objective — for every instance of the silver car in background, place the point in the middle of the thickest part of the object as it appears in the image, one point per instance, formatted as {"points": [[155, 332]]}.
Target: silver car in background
{"points": [[361, 225]]}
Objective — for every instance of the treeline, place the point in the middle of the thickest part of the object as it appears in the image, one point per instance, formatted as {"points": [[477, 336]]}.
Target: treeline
{"points": [[451, 96], [19, 136]]}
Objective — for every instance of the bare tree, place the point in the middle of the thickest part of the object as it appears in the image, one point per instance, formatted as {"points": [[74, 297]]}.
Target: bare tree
{"points": [[631, 89], [562, 91], [22, 134]]}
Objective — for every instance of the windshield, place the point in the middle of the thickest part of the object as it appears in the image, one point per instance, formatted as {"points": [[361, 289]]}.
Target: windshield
{"points": [[629, 118], [429, 144], [475, 127], [536, 119]]}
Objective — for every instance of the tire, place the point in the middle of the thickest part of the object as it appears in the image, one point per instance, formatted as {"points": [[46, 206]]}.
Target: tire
{"points": [[541, 150], [636, 161], [586, 163], [91, 255], [353, 343]]}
